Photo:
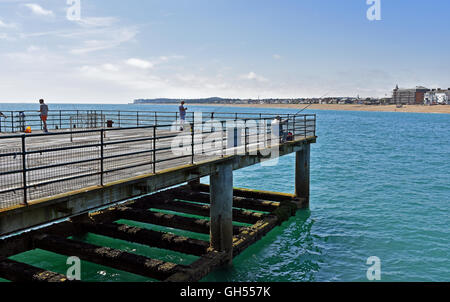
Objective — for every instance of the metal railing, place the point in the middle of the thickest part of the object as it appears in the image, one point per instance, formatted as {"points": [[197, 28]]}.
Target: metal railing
{"points": [[35, 166], [18, 121]]}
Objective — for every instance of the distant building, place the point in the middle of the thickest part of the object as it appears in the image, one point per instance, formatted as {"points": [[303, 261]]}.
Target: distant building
{"points": [[386, 101], [437, 97], [411, 96]]}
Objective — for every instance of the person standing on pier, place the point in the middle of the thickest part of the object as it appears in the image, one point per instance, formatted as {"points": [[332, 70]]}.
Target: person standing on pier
{"points": [[44, 114], [182, 110], [2, 116], [278, 128]]}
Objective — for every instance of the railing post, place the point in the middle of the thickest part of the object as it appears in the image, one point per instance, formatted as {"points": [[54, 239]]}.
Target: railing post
{"points": [[288, 120], [293, 127], [118, 118], [246, 138], [154, 149], [223, 129], [137, 118], [156, 119], [192, 143], [315, 119], [24, 171], [102, 132], [12, 121], [304, 119]]}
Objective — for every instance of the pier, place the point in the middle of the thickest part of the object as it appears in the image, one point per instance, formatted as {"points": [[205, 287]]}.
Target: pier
{"points": [[88, 178]]}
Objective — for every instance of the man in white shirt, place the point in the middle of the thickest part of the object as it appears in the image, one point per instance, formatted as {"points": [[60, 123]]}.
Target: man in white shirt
{"points": [[182, 110], [277, 128], [44, 114]]}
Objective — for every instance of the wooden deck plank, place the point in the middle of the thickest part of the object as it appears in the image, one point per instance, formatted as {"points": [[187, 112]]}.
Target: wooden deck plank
{"points": [[169, 220], [20, 272], [151, 238], [117, 259]]}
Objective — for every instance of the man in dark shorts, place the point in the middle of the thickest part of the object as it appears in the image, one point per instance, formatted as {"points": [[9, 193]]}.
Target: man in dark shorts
{"points": [[44, 114]]}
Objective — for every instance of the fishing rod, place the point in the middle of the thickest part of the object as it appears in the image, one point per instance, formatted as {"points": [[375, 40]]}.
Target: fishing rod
{"points": [[310, 104]]}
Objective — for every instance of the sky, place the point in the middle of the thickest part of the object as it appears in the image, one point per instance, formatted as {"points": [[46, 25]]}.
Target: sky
{"points": [[117, 51]]}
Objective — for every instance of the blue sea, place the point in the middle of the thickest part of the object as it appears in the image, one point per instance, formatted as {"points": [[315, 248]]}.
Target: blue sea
{"points": [[380, 186]]}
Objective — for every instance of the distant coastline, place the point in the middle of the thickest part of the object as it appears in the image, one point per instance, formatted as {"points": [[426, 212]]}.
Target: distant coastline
{"points": [[445, 109]]}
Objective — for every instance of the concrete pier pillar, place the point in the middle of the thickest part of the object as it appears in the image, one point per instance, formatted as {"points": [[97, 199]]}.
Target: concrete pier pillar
{"points": [[302, 162], [221, 227]]}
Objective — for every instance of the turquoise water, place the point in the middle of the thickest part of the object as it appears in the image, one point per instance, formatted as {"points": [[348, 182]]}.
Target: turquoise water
{"points": [[380, 186]]}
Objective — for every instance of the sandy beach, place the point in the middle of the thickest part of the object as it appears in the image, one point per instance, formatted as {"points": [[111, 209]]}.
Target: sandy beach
{"points": [[346, 107]]}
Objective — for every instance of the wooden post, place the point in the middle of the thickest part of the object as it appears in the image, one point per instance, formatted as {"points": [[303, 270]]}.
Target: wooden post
{"points": [[302, 162], [221, 210]]}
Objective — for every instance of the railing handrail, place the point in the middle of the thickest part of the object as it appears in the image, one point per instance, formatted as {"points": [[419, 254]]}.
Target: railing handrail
{"points": [[218, 116]]}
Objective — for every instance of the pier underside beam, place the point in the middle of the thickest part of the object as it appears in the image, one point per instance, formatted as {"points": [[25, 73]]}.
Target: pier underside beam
{"points": [[167, 203], [117, 259], [221, 210], [148, 237], [184, 193], [21, 272], [106, 222], [169, 220], [251, 194]]}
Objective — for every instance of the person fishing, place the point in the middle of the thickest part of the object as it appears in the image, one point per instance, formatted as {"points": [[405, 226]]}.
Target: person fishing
{"points": [[277, 127], [182, 110], [303, 109], [2, 116]]}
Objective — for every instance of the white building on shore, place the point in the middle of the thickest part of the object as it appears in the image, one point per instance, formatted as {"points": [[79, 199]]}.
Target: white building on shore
{"points": [[437, 97]]}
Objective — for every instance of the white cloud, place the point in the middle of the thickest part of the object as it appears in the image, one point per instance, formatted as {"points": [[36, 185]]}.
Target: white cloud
{"points": [[97, 21], [110, 67], [146, 64], [39, 10], [117, 37], [7, 25], [253, 76], [33, 48], [143, 64], [128, 79], [276, 57]]}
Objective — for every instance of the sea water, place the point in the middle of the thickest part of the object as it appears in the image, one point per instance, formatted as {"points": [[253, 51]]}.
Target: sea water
{"points": [[380, 186]]}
